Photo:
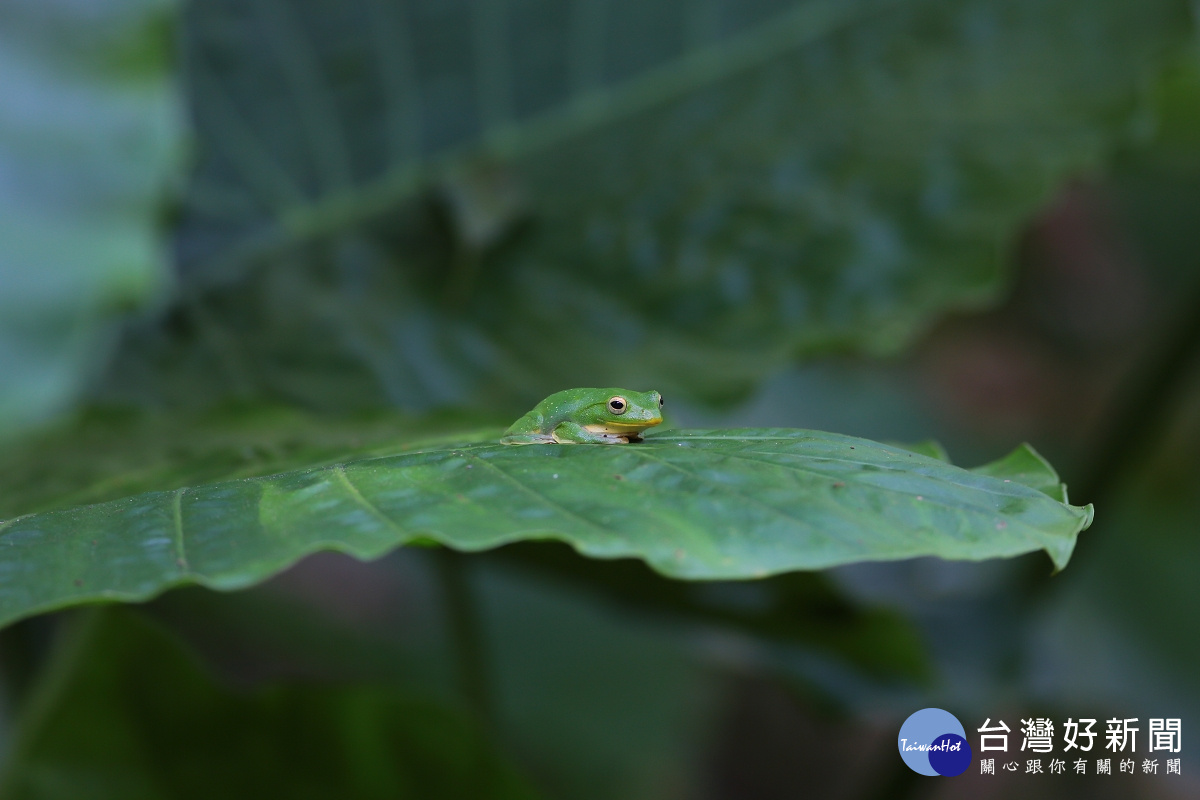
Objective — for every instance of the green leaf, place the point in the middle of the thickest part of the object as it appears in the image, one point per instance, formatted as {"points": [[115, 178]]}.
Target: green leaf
{"points": [[1027, 467], [929, 447], [91, 131], [109, 453], [664, 193], [91, 736], [694, 504]]}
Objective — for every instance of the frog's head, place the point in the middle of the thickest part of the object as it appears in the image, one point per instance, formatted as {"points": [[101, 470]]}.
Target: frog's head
{"points": [[622, 411]]}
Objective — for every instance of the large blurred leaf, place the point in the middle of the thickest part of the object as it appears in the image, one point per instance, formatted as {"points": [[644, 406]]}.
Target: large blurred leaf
{"points": [[595, 704], [425, 202], [124, 714], [1118, 632], [90, 132], [693, 504], [1119, 627], [1135, 596], [796, 609]]}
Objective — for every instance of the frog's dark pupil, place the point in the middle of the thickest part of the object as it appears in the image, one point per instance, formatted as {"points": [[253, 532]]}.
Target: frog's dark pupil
{"points": [[617, 404], [662, 402]]}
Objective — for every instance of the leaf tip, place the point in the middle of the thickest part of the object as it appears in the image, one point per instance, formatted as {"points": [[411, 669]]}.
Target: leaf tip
{"points": [[1089, 514]]}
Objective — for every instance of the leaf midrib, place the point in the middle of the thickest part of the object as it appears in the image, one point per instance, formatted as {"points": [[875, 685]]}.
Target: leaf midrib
{"points": [[711, 64]]}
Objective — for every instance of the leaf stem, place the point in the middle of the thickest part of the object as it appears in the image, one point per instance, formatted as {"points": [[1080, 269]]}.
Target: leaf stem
{"points": [[466, 633], [1147, 406], [1140, 418], [66, 659]]}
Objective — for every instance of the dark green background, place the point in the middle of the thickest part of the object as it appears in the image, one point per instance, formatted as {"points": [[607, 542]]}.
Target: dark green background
{"points": [[246, 236]]}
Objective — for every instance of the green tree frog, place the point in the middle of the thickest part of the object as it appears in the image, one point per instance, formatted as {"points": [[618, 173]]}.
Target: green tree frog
{"points": [[588, 416]]}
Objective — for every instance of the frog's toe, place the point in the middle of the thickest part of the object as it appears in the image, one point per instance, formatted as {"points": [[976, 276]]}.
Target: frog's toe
{"points": [[527, 438]]}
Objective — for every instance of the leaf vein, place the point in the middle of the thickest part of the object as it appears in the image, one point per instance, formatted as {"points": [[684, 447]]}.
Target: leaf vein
{"points": [[265, 179], [964, 506], [727, 488], [492, 73], [693, 71], [371, 508], [548, 501], [885, 468], [398, 75], [177, 523], [310, 93]]}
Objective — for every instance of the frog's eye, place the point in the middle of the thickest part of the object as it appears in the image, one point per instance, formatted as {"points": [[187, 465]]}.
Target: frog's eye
{"points": [[661, 402], [617, 405]]}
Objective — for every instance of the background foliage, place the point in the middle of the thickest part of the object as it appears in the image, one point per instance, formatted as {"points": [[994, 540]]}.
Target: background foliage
{"points": [[970, 220]]}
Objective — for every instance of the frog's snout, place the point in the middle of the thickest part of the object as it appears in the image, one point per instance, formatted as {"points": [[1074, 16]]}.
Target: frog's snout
{"points": [[655, 411]]}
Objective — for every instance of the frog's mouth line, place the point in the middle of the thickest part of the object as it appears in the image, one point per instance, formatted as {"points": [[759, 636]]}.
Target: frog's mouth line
{"points": [[622, 427]]}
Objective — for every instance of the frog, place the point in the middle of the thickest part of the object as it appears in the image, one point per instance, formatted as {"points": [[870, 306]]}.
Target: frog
{"points": [[588, 416]]}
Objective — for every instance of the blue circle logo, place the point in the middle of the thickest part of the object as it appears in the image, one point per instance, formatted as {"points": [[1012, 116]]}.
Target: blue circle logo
{"points": [[934, 742]]}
